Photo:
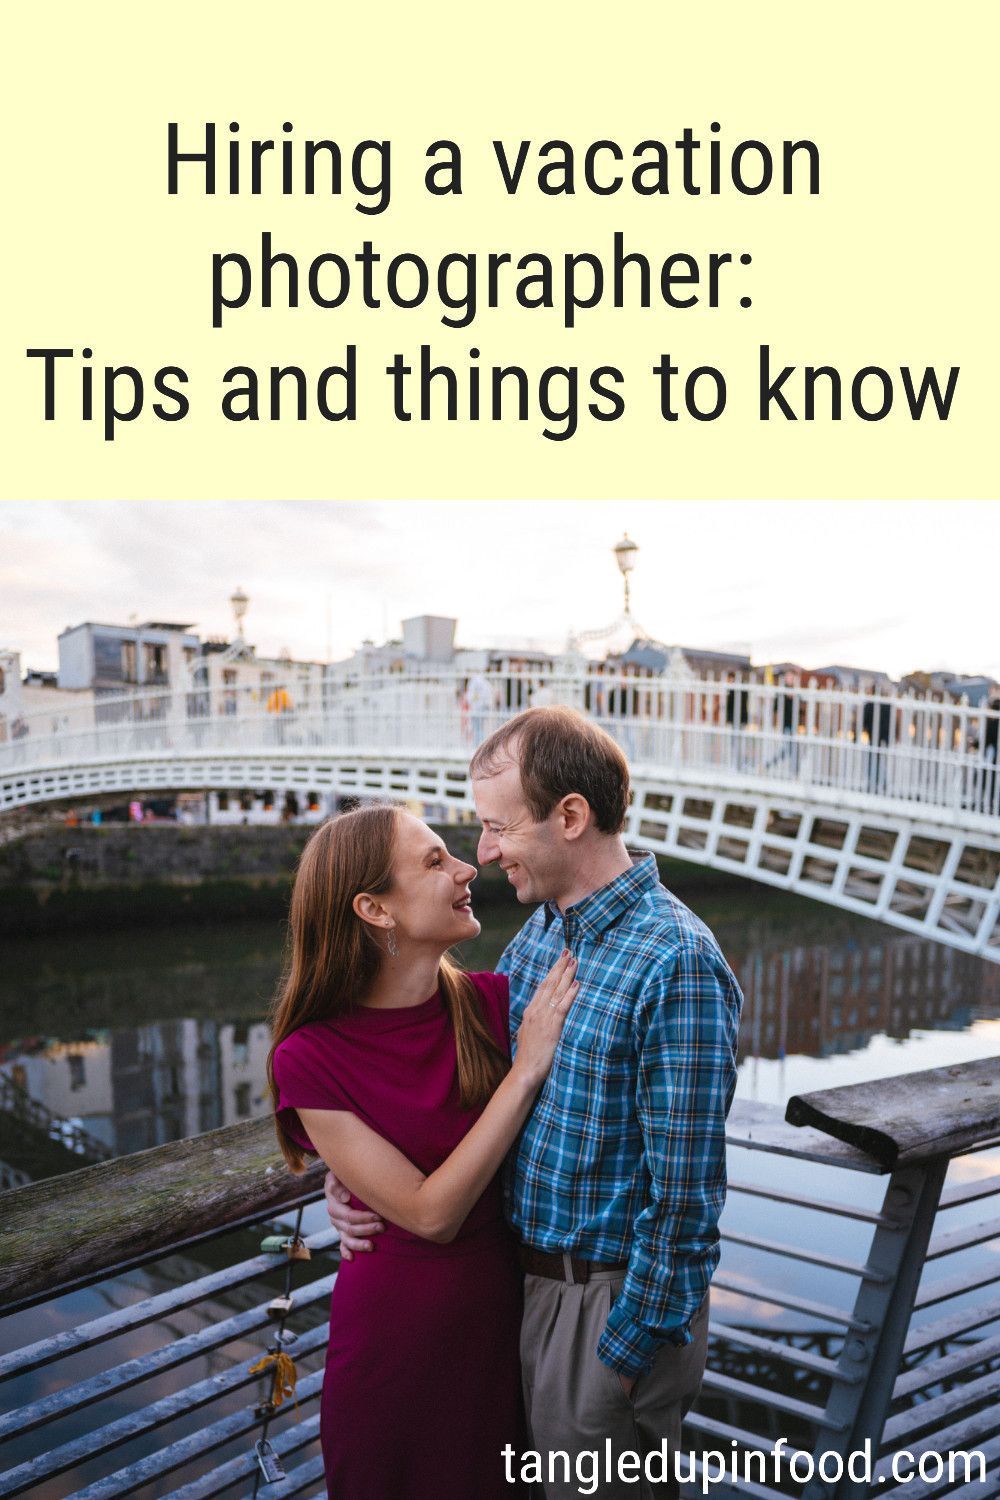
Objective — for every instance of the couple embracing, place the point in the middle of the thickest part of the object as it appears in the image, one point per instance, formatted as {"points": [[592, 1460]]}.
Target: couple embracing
{"points": [[522, 1240]]}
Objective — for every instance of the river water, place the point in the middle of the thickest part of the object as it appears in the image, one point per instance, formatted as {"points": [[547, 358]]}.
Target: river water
{"points": [[146, 1036]]}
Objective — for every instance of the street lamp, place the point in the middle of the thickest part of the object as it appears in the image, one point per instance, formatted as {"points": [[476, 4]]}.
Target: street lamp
{"points": [[239, 602], [625, 553]]}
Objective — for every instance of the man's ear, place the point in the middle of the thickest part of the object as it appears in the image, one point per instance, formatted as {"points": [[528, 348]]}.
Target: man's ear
{"points": [[371, 910], [575, 814]]}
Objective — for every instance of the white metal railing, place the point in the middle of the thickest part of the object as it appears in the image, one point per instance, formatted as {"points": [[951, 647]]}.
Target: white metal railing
{"points": [[902, 748]]}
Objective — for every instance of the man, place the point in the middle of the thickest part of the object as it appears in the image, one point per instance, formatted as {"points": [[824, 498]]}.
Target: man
{"points": [[876, 727], [787, 719], [991, 736], [617, 1182], [737, 718]]}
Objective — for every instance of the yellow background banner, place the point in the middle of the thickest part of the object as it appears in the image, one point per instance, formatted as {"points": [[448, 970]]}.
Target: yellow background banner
{"points": [[880, 268]]}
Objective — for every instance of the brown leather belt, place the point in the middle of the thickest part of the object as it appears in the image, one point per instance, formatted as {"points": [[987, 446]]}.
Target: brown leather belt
{"points": [[559, 1267]]}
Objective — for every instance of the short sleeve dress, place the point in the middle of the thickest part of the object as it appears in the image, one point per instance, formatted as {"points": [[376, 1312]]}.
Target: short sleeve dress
{"points": [[422, 1385]]}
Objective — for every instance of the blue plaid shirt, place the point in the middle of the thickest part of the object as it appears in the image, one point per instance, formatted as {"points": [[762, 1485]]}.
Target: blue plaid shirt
{"points": [[623, 1156]]}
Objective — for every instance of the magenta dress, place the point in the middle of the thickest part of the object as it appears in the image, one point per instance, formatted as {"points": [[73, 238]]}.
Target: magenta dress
{"points": [[422, 1383]]}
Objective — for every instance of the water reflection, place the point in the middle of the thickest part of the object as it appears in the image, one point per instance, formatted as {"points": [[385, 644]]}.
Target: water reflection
{"points": [[151, 1038], [141, 1086]]}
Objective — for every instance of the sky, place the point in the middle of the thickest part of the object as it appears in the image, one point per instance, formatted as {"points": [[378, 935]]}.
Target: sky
{"points": [[899, 585]]}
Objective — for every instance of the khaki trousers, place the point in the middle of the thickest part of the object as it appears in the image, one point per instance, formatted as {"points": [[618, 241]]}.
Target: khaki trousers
{"points": [[575, 1404]]}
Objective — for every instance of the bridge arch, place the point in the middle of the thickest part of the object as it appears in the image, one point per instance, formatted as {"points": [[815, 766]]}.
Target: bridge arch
{"points": [[905, 829]]}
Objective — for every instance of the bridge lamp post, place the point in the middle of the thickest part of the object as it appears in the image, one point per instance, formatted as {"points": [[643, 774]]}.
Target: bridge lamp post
{"points": [[625, 553], [239, 602]]}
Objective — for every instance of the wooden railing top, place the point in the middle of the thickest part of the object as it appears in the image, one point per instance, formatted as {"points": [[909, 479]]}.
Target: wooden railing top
{"points": [[763, 1127], [908, 1119], [66, 1230], [71, 1229]]}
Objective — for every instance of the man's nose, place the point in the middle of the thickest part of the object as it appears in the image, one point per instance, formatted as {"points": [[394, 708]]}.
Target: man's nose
{"points": [[489, 848]]}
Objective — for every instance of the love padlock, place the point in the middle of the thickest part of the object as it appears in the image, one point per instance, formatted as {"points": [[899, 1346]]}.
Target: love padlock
{"points": [[270, 1463], [295, 1249]]}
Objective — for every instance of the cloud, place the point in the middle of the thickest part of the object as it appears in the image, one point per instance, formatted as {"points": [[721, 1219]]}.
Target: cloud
{"points": [[810, 581], [832, 636]]}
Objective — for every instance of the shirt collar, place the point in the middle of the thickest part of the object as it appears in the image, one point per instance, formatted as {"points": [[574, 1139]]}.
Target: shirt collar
{"points": [[596, 912]]}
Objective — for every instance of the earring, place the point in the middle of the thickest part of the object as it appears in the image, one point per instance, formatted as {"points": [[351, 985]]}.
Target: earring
{"points": [[391, 946]]}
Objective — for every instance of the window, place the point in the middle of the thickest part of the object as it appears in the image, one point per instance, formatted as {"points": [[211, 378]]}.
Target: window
{"points": [[77, 1071], [241, 1095], [229, 694], [154, 663], [114, 660]]}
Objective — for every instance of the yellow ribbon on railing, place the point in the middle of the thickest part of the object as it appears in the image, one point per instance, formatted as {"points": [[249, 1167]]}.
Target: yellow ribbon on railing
{"points": [[285, 1375]]}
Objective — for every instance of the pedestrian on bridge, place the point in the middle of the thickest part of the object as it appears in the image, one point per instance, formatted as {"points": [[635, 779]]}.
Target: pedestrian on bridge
{"points": [[786, 719], [991, 734], [876, 723]]}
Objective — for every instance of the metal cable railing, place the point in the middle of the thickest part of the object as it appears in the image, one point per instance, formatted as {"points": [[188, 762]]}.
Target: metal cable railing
{"points": [[222, 1392], [827, 1327]]}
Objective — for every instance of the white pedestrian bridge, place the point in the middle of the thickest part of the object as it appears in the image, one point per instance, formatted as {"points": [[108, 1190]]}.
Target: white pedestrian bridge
{"points": [[887, 806]]}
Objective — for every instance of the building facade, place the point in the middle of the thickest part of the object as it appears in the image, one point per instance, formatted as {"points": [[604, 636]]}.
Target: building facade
{"points": [[117, 659], [34, 703]]}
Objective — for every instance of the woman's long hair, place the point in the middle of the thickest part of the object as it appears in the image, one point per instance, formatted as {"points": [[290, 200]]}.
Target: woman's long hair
{"points": [[333, 957]]}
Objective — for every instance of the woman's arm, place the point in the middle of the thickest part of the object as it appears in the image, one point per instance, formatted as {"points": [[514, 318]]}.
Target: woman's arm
{"points": [[436, 1206]]}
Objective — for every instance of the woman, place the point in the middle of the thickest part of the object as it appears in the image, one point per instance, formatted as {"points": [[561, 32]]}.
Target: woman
{"points": [[413, 1102]]}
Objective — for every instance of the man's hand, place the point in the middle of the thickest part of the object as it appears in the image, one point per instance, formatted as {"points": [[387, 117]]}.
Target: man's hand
{"points": [[627, 1383], [357, 1226]]}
